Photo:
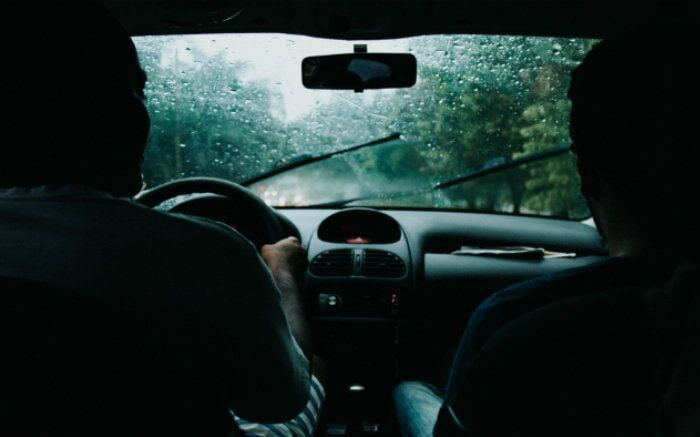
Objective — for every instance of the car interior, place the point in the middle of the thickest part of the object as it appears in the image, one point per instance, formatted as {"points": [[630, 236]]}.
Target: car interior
{"points": [[395, 269]]}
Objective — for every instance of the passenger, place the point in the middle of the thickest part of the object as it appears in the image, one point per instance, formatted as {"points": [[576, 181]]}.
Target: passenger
{"points": [[633, 118], [75, 130]]}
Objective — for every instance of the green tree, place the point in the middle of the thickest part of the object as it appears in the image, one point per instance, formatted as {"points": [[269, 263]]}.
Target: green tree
{"points": [[205, 121]]}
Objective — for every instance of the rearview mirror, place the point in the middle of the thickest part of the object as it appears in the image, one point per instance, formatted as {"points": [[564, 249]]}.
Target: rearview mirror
{"points": [[359, 71]]}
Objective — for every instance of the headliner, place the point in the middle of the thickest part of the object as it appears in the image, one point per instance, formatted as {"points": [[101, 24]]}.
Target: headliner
{"points": [[376, 19]]}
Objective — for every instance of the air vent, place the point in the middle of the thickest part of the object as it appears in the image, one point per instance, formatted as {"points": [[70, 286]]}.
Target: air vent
{"points": [[332, 263], [383, 264]]}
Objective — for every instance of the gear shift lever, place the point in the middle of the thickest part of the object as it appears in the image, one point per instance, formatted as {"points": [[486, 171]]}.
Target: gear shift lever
{"points": [[356, 398]]}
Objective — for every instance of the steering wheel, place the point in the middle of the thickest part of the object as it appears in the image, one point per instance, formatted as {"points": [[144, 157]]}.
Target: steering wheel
{"points": [[266, 219]]}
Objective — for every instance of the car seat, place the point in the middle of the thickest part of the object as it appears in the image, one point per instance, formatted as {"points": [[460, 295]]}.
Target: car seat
{"points": [[621, 362], [72, 364]]}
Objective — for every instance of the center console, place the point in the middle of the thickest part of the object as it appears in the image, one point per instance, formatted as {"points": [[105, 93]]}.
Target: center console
{"points": [[359, 270]]}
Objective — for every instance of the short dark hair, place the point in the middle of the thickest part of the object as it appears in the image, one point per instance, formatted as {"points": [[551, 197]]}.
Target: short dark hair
{"points": [[634, 114], [68, 84]]}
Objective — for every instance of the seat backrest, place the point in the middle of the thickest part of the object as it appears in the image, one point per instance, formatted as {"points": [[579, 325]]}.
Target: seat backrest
{"points": [[676, 311], [589, 365], [72, 364]]}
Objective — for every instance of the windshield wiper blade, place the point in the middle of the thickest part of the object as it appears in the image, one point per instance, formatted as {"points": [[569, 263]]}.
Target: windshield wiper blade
{"points": [[499, 164], [383, 194], [491, 166], [306, 160]]}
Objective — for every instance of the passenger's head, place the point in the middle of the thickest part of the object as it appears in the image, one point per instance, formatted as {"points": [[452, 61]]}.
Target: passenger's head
{"points": [[634, 123], [72, 99]]}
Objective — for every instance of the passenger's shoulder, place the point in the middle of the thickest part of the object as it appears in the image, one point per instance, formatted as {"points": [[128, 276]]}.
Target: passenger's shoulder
{"points": [[523, 296]]}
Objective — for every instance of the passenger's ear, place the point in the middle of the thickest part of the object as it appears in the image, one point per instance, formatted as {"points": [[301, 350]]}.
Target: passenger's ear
{"points": [[589, 180]]}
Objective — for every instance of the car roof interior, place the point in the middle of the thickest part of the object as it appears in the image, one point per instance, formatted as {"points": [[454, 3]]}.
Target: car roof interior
{"points": [[370, 19]]}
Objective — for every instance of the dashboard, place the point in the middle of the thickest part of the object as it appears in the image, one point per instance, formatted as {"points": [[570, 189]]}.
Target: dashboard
{"points": [[425, 242], [398, 266]]}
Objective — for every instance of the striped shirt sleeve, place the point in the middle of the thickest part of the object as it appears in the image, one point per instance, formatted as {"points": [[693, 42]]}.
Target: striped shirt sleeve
{"points": [[301, 426]]}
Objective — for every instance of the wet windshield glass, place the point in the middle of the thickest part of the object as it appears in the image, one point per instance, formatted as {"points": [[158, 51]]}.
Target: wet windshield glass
{"points": [[233, 106]]}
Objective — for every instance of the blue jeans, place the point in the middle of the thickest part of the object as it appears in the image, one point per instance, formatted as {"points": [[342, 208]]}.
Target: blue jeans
{"points": [[416, 406]]}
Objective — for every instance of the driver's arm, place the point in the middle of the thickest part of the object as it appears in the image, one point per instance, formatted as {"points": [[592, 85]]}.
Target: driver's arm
{"points": [[269, 377], [287, 262]]}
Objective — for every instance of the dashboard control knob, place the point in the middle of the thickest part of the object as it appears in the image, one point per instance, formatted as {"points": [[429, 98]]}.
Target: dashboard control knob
{"points": [[329, 301], [333, 301]]}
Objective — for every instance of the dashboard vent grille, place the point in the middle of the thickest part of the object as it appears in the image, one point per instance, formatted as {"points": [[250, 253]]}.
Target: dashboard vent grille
{"points": [[336, 262], [382, 263]]}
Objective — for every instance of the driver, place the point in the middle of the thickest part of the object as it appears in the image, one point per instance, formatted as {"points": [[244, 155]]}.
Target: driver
{"points": [[75, 132]]}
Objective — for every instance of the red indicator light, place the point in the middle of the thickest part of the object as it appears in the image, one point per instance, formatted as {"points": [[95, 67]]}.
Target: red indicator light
{"points": [[394, 299], [358, 240]]}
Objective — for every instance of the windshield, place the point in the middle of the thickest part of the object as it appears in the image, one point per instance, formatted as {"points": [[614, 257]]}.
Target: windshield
{"points": [[233, 106]]}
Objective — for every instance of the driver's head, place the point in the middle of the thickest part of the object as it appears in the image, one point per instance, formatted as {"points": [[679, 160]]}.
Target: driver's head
{"points": [[72, 99], [633, 122]]}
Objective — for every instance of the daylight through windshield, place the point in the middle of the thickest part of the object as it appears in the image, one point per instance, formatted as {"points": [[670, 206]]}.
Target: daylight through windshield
{"points": [[233, 106]]}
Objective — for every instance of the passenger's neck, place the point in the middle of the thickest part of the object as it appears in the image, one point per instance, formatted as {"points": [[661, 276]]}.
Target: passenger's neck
{"points": [[625, 236]]}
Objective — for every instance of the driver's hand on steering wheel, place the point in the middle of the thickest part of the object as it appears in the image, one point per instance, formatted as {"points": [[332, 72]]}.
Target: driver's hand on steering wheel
{"points": [[285, 255]]}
